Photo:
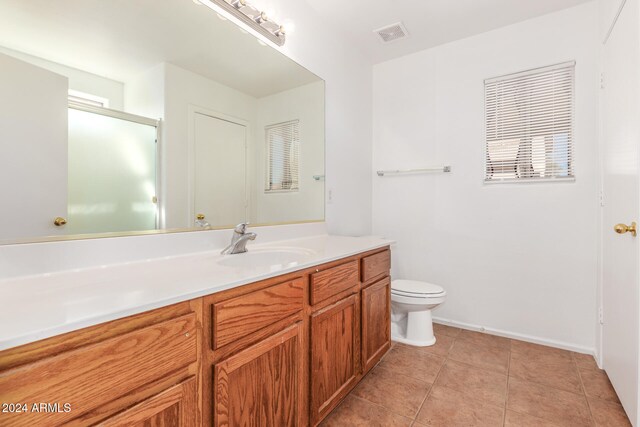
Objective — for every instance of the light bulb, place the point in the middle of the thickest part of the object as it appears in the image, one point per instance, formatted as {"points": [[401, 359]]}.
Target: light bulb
{"points": [[288, 27]]}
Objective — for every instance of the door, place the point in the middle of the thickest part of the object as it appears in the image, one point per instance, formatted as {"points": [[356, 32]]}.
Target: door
{"points": [[621, 190], [220, 170], [33, 147], [376, 322], [334, 357], [262, 385], [112, 172], [174, 407]]}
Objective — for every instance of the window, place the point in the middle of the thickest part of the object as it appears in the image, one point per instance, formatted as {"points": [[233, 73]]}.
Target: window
{"points": [[283, 153], [529, 125], [87, 99]]}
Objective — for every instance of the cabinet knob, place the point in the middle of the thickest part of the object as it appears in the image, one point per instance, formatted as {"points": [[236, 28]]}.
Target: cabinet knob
{"points": [[59, 221]]}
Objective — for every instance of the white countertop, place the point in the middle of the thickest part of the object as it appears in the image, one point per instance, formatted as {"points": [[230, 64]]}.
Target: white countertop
{"points": [[45, 305]]}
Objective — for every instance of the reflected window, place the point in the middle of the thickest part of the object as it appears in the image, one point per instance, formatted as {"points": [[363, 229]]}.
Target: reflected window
{"points": [[283, 156]]}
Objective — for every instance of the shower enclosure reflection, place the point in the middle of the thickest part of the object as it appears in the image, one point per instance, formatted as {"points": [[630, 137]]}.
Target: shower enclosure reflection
{"points": [[112, 173]]}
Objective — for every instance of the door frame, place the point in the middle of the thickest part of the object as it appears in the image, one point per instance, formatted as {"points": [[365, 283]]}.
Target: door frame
{"points": [[191, 143]]}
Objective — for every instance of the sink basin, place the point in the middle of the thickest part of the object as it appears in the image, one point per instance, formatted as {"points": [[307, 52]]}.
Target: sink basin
{"points": [[272, 259]]}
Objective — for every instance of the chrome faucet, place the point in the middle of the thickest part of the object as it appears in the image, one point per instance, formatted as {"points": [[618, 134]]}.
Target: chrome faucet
{"points": [[239, 240]]}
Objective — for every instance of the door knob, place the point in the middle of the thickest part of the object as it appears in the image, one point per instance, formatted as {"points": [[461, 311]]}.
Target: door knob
{"points": [[623, 228], [59, 221]]}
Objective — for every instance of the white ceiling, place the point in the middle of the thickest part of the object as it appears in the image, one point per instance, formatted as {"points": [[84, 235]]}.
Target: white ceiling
{"points": [[429, 22], [119, 39]]}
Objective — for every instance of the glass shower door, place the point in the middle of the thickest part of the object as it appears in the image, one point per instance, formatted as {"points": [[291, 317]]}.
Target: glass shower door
{"points": [[112, 174]]}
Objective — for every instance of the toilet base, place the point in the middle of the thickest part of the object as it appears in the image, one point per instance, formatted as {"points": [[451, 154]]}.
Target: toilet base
{"points": [[413, 328], [413, 342]]}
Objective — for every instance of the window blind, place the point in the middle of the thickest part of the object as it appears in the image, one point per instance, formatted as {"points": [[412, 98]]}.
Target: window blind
{"points": [[283, 153], [529, 125]]}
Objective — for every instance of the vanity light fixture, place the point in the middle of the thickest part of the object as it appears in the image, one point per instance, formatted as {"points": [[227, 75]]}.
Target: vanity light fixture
{"points": [[255, 19]]}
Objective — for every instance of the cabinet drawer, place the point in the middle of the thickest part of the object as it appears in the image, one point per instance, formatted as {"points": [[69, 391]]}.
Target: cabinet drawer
{"points": [[245, 314], [376, 265], [332, 281], [91, 376]]}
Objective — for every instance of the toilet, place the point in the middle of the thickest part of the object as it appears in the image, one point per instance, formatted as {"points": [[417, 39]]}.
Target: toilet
{"points": [[411, 305]]}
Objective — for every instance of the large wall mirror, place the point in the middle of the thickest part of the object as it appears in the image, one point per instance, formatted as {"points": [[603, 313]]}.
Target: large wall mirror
{"points": [[144, 115]]}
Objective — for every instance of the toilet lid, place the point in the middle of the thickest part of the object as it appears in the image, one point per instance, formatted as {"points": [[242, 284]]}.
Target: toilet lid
{"points": [[415, 287]]}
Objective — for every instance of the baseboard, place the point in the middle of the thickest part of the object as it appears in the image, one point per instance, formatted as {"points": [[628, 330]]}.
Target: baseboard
{"points": [[517, 336]]}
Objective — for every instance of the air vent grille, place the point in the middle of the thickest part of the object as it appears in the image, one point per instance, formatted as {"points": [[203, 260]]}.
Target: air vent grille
{"points": [[392, 32]]}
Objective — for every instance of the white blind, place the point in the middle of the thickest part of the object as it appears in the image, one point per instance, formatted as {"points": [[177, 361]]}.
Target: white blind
{"points": [[529, 124], [283, 153]]}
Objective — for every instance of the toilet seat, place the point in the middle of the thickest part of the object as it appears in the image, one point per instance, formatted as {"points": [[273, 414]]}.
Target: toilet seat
{"points": [[416, 289]]}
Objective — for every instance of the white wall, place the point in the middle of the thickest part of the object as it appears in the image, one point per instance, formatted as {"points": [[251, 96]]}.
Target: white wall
{"points": [[144, 95], [306, 104], [78, 80], [317, 45], [517, 258]]}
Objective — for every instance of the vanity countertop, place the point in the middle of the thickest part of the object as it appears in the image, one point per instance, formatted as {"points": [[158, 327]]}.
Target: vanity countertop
{"points": [[45, 305]]}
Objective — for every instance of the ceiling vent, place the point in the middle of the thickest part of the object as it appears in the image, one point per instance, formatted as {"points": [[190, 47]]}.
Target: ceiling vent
{"points": [[392, 32]]}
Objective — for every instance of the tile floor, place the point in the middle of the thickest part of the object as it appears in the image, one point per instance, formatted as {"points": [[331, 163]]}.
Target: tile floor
{"points": [[474, 379]]}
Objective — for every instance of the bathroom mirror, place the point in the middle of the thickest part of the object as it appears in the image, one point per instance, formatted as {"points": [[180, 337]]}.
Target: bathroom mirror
{"points": [[138, 116]]}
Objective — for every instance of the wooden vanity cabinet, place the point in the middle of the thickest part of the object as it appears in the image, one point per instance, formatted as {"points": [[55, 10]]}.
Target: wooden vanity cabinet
{"points": [[262, 385], [376, 322], [335, 353], [141, 369], [280, 352], [176, 406]]}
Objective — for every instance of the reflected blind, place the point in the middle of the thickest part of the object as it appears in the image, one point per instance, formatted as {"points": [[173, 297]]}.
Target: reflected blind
{"points": [[529, 125], [283, 154]]}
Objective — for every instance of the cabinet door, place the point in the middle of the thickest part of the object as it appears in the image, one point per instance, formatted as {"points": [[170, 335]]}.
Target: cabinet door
{"points": [[262, 385], [174, 407], [334, 354], [376, 322]]}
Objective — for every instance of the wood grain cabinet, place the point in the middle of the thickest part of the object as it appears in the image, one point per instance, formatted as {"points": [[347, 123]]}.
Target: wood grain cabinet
{"points": [[177, 406], [376, 322], [279, 352], [262, 385], [335, 334]]}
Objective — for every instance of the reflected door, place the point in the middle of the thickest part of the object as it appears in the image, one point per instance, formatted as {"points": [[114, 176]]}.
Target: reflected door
{"points": [[33, 150], [112, 174], [220, 170]]}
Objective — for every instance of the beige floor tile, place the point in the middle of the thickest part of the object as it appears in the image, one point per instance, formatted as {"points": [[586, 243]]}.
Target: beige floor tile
{"points": [[516, 419], [413, 363], [482, 339], [397, 393], [477, 383], [440, 348], [551, 404], [447, 330], [486, 357], [608, 414], [551, 369], [356, 412], [538, 350], [596, 384], [449, 408], [585, 361]]}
